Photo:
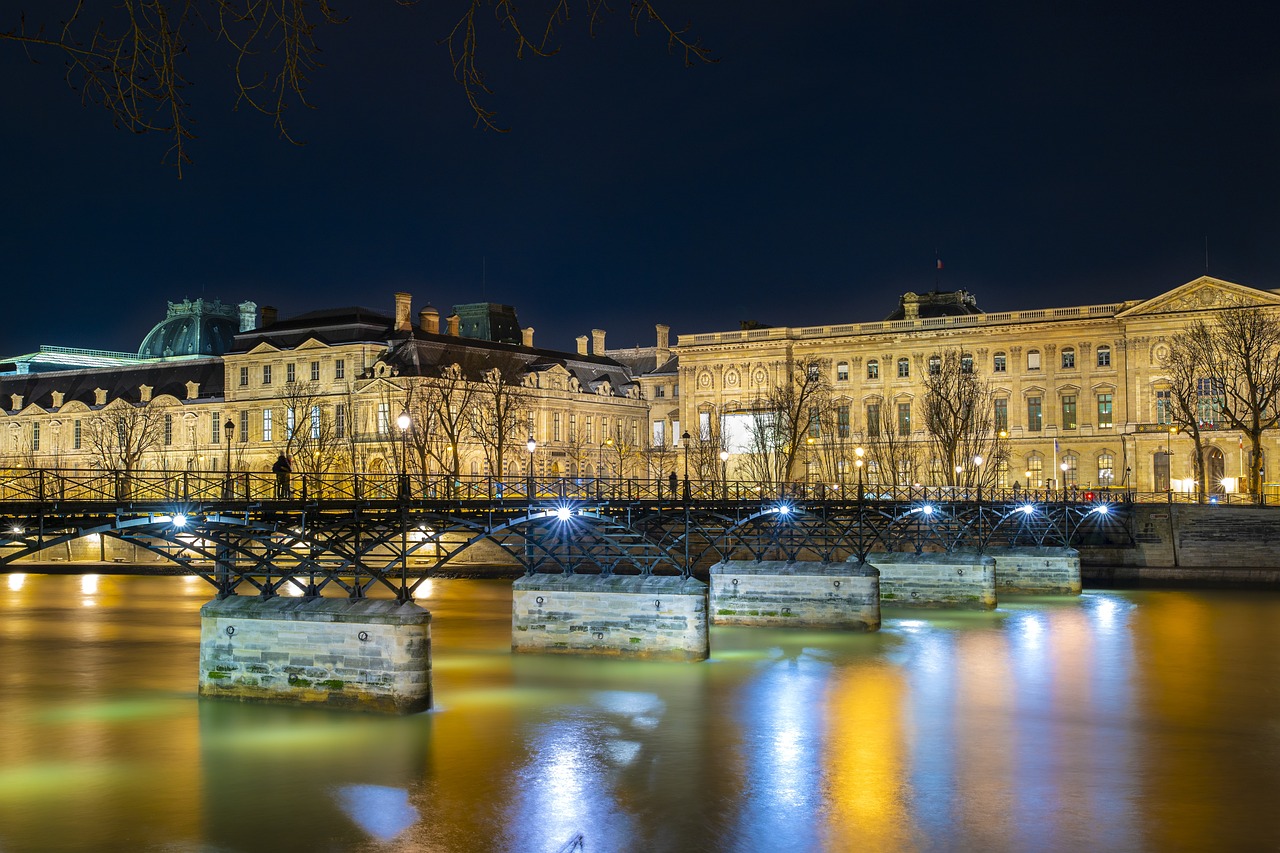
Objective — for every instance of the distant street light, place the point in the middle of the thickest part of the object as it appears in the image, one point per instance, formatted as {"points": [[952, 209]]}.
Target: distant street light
{"points": [[686, 438], [404, 422], [228, 429], [724, 474], [531, 446], [859, 452]]}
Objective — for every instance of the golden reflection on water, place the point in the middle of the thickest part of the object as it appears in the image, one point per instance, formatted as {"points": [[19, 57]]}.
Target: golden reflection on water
{"points": [[1112, 721]]}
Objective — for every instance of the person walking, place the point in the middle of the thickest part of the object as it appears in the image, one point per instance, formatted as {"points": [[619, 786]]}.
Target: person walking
{"points": [[282, 468]]}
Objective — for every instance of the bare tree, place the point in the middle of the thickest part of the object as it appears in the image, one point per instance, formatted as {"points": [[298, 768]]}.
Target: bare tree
{"points": [[959, 419], [132, 58], [782, 420], [310, 436], [896, 454], [121, 435], [1184, 364], [444, 406], [499, 419]]}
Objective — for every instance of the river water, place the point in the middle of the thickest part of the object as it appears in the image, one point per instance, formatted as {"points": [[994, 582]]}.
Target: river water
{"points": [[1118, 720]]}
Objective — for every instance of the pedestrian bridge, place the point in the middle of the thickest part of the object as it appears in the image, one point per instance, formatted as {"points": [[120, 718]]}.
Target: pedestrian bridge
{"points": [[352, 534]]}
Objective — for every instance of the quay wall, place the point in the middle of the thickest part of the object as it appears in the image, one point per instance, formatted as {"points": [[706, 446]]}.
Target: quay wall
{"points": [[961, 579]]}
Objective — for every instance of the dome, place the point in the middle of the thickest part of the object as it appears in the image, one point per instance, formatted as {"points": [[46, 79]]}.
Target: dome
{"points": [[191, 328]]}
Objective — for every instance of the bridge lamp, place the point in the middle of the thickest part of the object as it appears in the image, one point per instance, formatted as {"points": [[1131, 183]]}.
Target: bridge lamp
{"points": [[927, 509], [977, 460], [1102, 509], [179, 520], [1027, 509], [724, 473], [563, 513], [784, 509], [531, 446], [16, 530], [859, 452], [229, 430]]}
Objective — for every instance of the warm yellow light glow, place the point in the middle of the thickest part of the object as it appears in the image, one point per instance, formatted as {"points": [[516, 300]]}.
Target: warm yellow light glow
{"points": [[16, 580], [89, 584]]}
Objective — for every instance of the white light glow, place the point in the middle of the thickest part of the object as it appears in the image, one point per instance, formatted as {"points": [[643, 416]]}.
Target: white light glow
{"points": [[16, 580], [179, 520], [927, 509], [89, 584], [563, 513], [1027, 509]]}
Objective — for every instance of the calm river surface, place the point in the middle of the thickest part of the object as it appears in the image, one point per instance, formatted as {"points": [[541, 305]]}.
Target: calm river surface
{"points": [[1123, 721]]}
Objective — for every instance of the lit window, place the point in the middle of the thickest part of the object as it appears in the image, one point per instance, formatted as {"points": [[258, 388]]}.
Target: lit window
{"points": [[1104, 356], [904, 419], [1068, 359], [1002, 415], [1106, 469], [266, 425], [1164, 406], [1035, 418], [1069, 411], [1069, 474], [384, 418], [1104, 411]]}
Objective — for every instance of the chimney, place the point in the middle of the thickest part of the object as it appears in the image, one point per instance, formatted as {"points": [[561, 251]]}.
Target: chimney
{"points": [[248, 316], [429, 320], [268, 316], [597, 341], [403, 309], [582, 344], [664, 343], [527, 335], [454, 322]]}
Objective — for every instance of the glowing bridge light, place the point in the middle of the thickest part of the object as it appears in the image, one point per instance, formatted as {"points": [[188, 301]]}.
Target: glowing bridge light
{"points": [[1027, 509], [179, 520], [563, 513], [784, 509], [16, 530], [927, 509], [1102, 509]]}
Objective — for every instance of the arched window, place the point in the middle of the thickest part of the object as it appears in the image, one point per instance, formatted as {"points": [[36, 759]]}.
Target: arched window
{"points": [[935, 472], [999, 363], [935, 365], [1033, 359], [1070, 470], [1104, 356], [842, 371], [1068, 358], [873, 369], [1034, 471], [1106, 469], [966, 363], [904, 368]]}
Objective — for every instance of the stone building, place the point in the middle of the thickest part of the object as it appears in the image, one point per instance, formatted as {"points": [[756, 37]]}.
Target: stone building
{"points": [[1080, 387]]}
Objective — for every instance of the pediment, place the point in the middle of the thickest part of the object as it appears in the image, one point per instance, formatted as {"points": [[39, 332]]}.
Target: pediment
{"points": [[263, 348], [312, 343], [1203, 294]]}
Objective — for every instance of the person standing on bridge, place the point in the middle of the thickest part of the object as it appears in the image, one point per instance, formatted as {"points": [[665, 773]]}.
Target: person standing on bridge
{"points": [[674, 481], [282, 468]]}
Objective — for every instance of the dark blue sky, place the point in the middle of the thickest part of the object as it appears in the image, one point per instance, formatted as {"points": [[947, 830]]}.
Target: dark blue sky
{"points": [[1052, 154]]}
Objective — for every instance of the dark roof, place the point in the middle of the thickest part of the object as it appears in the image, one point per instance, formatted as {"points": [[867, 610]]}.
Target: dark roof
{"points": [[330, 326], [164, 378], [425, 355], [937, 303]]}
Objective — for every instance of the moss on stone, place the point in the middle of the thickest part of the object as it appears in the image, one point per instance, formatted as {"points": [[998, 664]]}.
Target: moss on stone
{"points": [[217, 674], [635, 639], [334, 684]]}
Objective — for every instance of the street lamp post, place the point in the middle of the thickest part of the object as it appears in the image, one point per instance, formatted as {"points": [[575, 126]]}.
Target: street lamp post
{"points": [[977, 474], [858, 463], [724, 474], [685, 439], [531, 446], [228, 430], [1168, 461], [404, 421]]}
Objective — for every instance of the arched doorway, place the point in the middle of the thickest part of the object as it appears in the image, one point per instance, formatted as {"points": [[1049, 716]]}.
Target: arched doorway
{"points": [[1214, 470]]}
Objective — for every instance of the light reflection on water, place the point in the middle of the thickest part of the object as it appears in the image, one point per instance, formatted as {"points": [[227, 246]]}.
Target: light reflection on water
{"points": [[1113, 721]]}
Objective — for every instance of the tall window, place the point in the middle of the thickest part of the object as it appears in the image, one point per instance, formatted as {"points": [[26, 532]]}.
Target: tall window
{"points": [[999, 363], [1164, 406], [1104, 411], [904, 419], [215, 432], [1208, 401], [555, 426], [1070, 474], [77, 436], [339, 421], [1002, 472], [1035, 471], [873, 420], [815, 426], [675, 389], [339, 368], [704, 426], [1106, 469], [384, 418], [659, 433], [266, 425], [935, 365], [1002, 415], [168, 429], [1033, 360], [591, 433], [1069, 411], [1104, 356], [315, 421], [315, 371], [1035, 418], [659, 391], [873, 369], [35, 436], [573, 427], [244, 377], [1068, 358], [266, 374], [904, 368], [966, 363], [290, 422], [244, 425], [290, 373], [842, 421], [842, 371]]}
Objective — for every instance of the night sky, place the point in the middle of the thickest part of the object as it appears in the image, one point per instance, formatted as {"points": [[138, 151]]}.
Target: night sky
{"points": [[1051, 154]]}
